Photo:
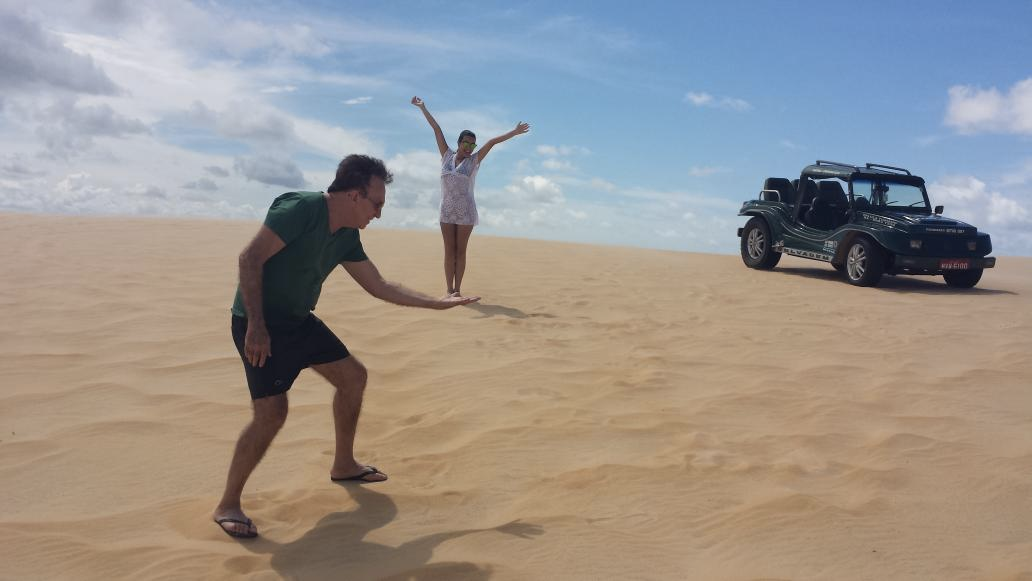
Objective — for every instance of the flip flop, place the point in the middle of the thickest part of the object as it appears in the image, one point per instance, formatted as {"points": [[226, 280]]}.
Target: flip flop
{"points": [[361, 476], [238, 535]]}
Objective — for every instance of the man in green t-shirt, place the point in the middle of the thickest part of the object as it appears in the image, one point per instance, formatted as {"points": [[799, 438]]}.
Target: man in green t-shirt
{"points": [[305, 236]]}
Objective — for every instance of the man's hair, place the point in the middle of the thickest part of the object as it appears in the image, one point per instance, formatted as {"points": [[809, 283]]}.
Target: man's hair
{"points": [[466, 132], [355, 171]]}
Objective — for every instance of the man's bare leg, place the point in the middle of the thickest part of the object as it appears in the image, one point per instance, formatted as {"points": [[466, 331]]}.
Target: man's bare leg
{"points": [[348, 377], [269, 415]]}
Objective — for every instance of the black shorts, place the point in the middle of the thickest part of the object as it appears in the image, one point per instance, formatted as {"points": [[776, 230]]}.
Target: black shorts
{"points": [[293, 349]]}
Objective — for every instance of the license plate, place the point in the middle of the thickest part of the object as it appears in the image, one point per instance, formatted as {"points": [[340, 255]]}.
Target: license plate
{"points": [[954, 265]]}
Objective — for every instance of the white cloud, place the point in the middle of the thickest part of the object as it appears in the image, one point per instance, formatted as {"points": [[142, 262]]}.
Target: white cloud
{"points": [[561, 150], [699, 99], [66, 129], [358, 101], [557, 165], [567, 26], [417, 180], [703, 171], [702, 99], [270, 170], [601, 184], [279, 89], [32, 58], [1019, 176], [1005, 217], [246, 121], [553, 155], [927, 140], [82, 193], [537, 189], [203, 184], [975, 110], [17, 166], [971, 200]]}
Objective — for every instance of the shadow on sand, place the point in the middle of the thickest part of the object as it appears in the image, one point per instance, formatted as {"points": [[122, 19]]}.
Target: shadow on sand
{"points": [[929, 285], [335, 547], [499, 310]]}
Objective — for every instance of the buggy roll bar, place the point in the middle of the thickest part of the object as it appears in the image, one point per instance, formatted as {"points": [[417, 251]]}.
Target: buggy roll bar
{"points": [[867, 166], [906, 171], [826, 162]]}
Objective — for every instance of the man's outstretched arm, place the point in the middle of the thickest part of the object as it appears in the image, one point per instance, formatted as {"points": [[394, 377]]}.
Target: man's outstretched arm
{"points": [[368, 277]]}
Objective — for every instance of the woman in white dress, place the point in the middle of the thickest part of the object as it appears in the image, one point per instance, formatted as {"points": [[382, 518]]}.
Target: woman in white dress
{"points": [[458, 208]]}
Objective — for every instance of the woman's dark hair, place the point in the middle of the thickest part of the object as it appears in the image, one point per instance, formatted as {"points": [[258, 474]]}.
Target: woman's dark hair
{"points": [[355, 171], [466, 132]]}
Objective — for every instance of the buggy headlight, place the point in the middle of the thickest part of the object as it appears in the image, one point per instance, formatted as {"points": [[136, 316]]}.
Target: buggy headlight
{"points": [[915, 244], [972, 245]]}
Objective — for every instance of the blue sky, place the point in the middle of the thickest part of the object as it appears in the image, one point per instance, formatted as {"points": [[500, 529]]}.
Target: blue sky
{"points": [[651, 122]]}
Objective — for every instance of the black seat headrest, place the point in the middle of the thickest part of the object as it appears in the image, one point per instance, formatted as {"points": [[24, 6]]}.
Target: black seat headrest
{"points": [[783, 187], [832, 192]]}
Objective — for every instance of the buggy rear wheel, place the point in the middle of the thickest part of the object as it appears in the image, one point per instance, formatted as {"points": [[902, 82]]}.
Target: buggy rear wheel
{"points": [[757, 249]]}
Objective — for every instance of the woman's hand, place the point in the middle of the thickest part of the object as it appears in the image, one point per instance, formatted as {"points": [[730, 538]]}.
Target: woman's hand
{"points": [[521, 128], [417, 102]]}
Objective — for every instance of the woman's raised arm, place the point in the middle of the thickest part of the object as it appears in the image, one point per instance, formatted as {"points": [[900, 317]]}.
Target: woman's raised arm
{"points": [[441, 143], [520, 129]]}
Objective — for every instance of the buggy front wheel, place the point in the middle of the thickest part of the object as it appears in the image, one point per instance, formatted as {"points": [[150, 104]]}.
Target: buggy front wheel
{"points": [[963, 278], [865, 262]]}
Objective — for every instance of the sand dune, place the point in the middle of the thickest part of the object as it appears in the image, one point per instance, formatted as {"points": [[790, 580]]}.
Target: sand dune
{"points": [[603, 413]]}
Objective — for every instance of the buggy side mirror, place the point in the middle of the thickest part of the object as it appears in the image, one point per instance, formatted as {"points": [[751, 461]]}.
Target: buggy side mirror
{"points": [[938, 210]]}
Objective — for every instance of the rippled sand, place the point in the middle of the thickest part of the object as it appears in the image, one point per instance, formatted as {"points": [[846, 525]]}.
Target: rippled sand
{"points": [[604, 413]]}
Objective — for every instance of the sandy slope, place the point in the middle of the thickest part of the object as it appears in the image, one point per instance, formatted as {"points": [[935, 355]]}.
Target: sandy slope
{"points": [[604, 413]]}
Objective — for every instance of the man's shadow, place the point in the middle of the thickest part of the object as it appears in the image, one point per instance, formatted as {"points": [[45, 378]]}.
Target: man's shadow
{"points": [[335, 547]]}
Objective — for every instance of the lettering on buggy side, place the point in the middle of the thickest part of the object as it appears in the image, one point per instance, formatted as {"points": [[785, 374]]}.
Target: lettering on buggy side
{"points": [[808, 254], [879, 219], [830, 245], [945, 230]]}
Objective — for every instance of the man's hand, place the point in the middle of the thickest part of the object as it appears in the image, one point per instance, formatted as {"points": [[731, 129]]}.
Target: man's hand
{"points": [[257, 344], [417, 101], [455, 301]]}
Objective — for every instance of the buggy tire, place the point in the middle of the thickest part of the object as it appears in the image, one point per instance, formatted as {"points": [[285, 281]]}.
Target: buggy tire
{"points": [[757, 245], [963, 278], [865, 262]]}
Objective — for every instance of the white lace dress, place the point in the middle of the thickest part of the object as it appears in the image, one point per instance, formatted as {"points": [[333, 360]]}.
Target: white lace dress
{"points": [[457, 203]]}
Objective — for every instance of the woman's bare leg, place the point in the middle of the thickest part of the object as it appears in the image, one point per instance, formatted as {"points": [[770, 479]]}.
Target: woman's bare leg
{"points": [[448, 232], [461, 242]]}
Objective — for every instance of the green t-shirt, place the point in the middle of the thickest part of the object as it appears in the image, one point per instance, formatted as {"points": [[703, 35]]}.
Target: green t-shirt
{"points": [[292, 279]]}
